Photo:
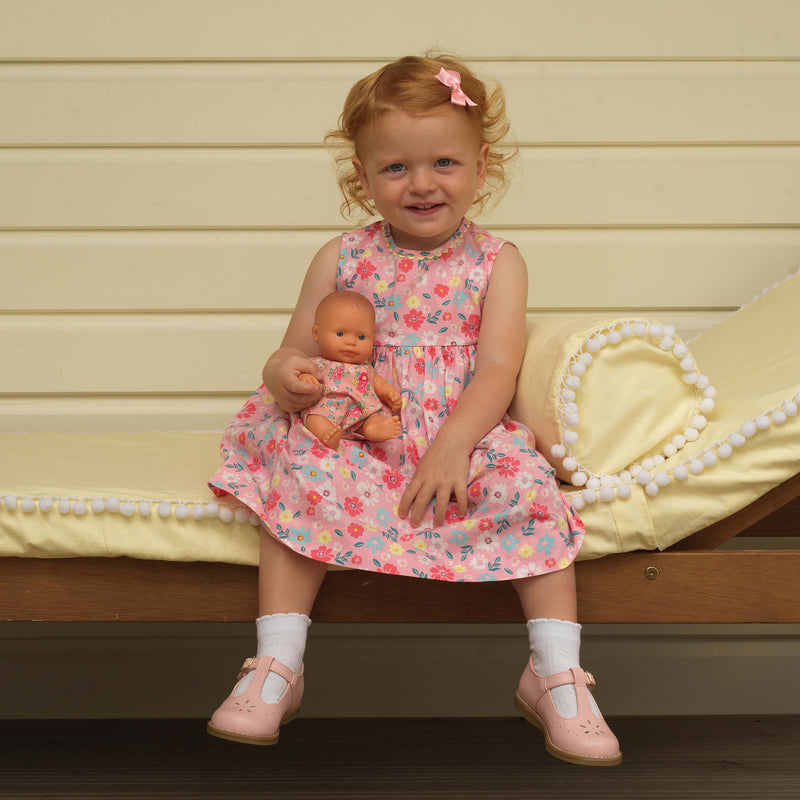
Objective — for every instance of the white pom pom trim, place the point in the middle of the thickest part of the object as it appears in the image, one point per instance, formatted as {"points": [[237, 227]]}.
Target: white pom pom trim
{"points": [[141, 507], [664, 339]]}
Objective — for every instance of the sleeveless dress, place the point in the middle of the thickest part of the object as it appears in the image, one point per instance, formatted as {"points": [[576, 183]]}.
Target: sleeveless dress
{"points": [[340, 507]]}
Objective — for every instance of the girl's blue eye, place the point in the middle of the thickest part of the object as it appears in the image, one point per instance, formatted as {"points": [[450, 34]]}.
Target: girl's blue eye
{"points": [[396, 168], [444, 162]]}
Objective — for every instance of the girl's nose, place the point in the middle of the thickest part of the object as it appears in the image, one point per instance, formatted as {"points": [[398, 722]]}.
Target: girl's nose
{"points": [[421, 181]]}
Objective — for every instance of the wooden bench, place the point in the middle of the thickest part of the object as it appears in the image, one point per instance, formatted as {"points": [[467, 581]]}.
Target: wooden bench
{"points": [[693, 582]]}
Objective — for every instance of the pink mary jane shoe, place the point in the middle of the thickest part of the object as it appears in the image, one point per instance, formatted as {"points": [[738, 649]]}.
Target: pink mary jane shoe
{"points": [[585, 739], [246, 717]]}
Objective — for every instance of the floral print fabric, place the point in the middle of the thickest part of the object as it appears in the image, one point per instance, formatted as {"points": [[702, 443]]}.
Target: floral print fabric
{"points": [[340, 507]]}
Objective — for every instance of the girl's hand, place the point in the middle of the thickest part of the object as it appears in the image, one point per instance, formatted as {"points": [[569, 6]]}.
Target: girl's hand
{"points": [[441, 475], [288, 382]]}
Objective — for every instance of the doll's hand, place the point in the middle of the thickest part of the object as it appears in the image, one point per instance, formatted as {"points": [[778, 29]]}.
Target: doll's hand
{"points": [[393, 399], [289, 383], [440, 476]]}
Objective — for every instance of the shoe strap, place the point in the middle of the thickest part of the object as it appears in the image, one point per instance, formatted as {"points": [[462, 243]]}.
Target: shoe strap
{"points": [[267, 664], [576, 676]]}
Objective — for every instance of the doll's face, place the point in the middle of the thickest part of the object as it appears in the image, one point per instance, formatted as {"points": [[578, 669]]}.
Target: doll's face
{"points": [[344, 333]]}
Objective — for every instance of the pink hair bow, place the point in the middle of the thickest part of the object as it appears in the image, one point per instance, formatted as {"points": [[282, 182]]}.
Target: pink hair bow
{"points": [[452, 80]]}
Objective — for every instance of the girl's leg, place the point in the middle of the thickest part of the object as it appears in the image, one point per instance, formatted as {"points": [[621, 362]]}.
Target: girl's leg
{"points": [[550, 605]]}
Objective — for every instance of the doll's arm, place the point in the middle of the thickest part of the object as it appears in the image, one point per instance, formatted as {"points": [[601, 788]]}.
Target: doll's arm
{"points": [[387, 393]]}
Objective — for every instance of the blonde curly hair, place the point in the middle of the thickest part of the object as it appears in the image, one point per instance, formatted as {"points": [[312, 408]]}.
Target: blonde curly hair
{"points": [[409, 84]]}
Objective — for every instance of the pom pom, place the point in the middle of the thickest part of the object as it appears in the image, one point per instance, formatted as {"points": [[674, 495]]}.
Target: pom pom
{"points": [[662, 480], [708, 458], [606, 494], [579, 478], [724, 450], [127, 509], [709, 391], [577, 503], [614, 337], [762, 423], [79, 508], [144, 509], [45, 504], [748, 429], [643, 477], [212, 510], [578, 368], [226, 513], [689, 377], [626, 331], [702, 381], [594, 345], [567, 395], [254, 519], [593, 483], [640, 329], [666, 344], [198, 512], [658, 460], [558, 451], [27, 505], [737, 439], [669, 330], [696, 466], [164, 510], [655, 330], [670, 450], [570, 464], [573, 382], [585, 359], [64, 506], [699, 422], [651, 489], [687, 364], [112, 504], [691, 434], [778, 417], [242, 514], [10, 502], [648, 464], [680, 350], [571, 420], [570, 436], [680, 473], [789, 408], [706, 405], [609, 480], [98, 505], [679, 441], [589, 495], [624, 491], [182, 511]]}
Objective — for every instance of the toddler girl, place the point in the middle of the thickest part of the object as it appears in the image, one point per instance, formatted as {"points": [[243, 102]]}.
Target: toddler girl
{"points": [[353, 394], [461, 495]]}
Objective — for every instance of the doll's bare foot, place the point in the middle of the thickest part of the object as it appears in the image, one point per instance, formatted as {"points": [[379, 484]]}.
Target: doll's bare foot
{"points": [[324, 430], [379, 428]]}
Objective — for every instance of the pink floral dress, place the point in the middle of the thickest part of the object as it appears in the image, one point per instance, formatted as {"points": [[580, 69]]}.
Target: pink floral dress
{"points": [[340, 507]]}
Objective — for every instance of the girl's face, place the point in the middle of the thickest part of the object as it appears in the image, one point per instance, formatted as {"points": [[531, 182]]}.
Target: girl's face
{"points": [[344, 334], [422, 173]]}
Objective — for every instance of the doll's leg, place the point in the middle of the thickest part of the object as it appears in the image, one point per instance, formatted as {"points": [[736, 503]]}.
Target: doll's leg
{"points": [[324, 430], [566, 710], [380, 428]]}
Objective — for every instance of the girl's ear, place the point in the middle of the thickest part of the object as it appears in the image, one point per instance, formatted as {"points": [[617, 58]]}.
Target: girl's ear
{"points": [[483, 163], [362, 178]]}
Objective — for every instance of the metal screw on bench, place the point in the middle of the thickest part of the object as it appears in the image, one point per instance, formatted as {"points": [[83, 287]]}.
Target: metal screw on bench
{"points": [[651, 573]]}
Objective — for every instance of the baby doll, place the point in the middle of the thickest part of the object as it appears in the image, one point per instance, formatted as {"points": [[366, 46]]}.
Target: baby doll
{"points": [[353, 393]]}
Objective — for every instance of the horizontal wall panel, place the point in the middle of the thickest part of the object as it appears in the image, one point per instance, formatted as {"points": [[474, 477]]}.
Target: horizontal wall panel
{"points": [[263, 270], [159, 353], [164, 188], [236, 29], [84, 413], [278, 103]]}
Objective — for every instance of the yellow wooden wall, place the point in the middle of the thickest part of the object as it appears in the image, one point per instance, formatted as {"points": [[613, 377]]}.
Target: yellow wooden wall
{"points": [[163, 183]]}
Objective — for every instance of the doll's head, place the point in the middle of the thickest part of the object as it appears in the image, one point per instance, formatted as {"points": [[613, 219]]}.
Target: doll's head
{"points": [[410, 84], [344, 327]]}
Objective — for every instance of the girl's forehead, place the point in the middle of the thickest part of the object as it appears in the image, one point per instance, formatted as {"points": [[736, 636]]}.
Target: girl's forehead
{"points": [[395, 128]]}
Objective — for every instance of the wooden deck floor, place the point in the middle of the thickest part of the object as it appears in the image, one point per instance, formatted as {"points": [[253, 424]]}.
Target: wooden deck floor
{"points": [[674, 757]]}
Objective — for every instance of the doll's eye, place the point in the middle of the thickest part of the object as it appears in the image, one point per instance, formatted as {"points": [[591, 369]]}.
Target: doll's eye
{"points": [[361, 337], [340, 333]]}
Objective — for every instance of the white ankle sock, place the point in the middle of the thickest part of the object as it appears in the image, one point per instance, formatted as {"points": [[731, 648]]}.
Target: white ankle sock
{"points": [[556, 646], [282, 636]]}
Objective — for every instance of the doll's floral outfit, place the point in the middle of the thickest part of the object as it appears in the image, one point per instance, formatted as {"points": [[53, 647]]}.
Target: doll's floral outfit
{"points": [[341, 506], [348, 396]]}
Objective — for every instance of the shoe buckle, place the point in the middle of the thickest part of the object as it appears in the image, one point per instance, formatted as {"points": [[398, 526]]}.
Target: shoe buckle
{"points": [[590, 681], [249, 663]]}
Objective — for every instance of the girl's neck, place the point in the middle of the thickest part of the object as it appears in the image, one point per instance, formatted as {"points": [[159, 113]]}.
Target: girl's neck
{"points": [[414, 245]]}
